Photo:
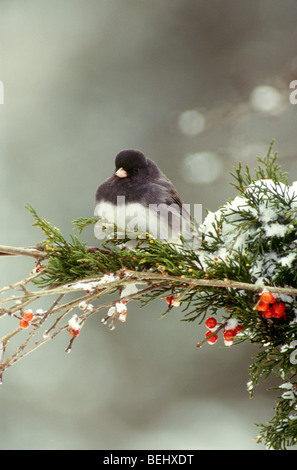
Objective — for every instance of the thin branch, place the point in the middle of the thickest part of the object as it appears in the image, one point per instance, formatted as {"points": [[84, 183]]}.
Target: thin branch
{"points": [[23, 282], [213, 333], [37, 251], [151, 276]]}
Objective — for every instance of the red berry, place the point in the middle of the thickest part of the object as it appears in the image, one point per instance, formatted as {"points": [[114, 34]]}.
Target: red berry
{"points": [[39, 268], [238, 328], [229, 335], [24, 324], [213, 339], [171, 300], [211, 322], [262, 306], [267, 297], [278, 309], [122, 316], [28, 315], [268, 313], [73, 332]]}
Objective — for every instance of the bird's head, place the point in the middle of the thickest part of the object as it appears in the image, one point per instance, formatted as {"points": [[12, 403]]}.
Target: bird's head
{"points": [[129, 163]]}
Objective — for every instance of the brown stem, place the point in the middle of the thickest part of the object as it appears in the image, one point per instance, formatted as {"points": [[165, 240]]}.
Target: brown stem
{"points": [[222, 325], [138, 275], [37, 251]]}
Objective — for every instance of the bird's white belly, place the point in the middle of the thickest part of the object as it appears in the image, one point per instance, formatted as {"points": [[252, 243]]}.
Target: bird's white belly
{"points": [[162, 221]]}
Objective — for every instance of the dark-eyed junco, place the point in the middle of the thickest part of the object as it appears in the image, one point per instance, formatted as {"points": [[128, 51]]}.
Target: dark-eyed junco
{"points": [[138, 197]]}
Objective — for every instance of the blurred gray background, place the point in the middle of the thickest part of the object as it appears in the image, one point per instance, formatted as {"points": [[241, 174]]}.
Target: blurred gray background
{"points": [[198, 86]]}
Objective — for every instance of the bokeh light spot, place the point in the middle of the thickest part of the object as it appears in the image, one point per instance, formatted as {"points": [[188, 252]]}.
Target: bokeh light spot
{"points": [[202, 167], [191, 122], [266, 99]]}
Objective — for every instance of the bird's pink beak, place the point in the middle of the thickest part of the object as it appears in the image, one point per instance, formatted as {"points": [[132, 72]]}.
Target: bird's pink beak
{"points": [[121, 173]]}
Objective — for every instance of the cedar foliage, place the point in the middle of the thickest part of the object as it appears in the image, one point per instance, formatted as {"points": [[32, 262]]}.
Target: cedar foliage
{"points": [[248, 246]]}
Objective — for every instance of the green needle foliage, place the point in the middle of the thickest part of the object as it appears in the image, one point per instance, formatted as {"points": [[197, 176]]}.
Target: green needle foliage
{"points": [[247, 246]]}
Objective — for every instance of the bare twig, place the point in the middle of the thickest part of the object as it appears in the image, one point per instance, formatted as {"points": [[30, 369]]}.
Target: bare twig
{"points": [[36, 251], [23, 282], [152, 276]]}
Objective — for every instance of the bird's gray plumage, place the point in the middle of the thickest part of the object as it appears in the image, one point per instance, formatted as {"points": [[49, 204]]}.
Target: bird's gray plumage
{"points": [[143, 192]]}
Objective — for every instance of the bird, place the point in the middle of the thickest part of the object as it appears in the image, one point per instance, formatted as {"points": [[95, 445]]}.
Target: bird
{"points": [[139, 198]]}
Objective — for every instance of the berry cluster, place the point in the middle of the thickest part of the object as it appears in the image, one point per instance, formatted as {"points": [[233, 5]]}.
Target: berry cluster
{"points": [[269, 306], [211, 324], [119, 310], [231, 329], [27, 317]]}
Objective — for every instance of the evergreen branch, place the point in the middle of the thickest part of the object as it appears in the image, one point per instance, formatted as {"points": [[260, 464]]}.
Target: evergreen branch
{"points": [[248, 253]]}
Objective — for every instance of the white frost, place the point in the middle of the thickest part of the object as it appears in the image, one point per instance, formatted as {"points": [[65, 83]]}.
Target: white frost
{"points": [[74, 322], [231, 324], [262, 211], [91, 285], [121, 307], [129, 290]]}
